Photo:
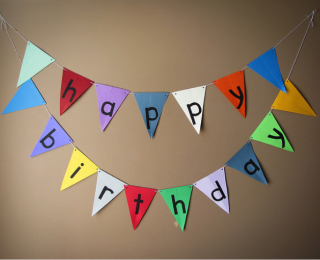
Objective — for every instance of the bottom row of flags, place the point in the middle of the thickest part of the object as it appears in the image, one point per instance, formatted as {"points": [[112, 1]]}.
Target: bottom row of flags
{"points": [[214, 186]]}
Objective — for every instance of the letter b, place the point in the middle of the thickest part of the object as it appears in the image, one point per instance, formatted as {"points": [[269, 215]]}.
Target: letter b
{"points": [[42, 141]]}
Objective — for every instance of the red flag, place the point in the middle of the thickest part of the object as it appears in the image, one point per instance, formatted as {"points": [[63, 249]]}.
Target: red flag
{"points": [[232, 86], [139, 200], [73, 86]]}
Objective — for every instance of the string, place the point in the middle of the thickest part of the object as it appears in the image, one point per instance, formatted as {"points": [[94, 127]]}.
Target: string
{"points": [[296, 27], [47, 109], [294, 63]]}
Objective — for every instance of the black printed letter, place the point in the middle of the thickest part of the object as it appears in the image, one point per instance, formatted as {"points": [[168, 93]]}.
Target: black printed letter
{"points": [[138, 200], [190, 111], [256, 168], [238, 97], [280, 136], [105, 188], [175, 205], [48, 136], [221, 192], [111, 109], [150, 118], [69, 88]]}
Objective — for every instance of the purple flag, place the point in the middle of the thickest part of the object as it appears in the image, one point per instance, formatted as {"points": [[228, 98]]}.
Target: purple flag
{"points": [[109, 101], [52, 137]]}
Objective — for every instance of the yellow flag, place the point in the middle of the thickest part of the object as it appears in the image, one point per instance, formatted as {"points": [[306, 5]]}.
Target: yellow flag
{"points": [[79, 168], [292, 101]]}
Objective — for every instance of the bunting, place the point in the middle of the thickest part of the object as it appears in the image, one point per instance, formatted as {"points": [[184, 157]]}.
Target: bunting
{"points": [[53, 136], [292, 101], [139, 200], [27, 96], [270, 132], [232, 86], [34, 61], [109, 101], [178, 200], [191, 101]]}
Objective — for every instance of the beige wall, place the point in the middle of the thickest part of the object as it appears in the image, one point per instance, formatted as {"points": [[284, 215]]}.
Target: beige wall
{"points": [[160, 46]]}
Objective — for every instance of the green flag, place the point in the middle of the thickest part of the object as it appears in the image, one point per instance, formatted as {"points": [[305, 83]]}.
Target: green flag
{"points": [[178, 200], [34, 61], [270, 132]]}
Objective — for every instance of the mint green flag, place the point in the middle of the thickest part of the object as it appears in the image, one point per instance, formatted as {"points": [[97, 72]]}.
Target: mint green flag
{"points": [[270, 132], [178, 200], [34, 61]]}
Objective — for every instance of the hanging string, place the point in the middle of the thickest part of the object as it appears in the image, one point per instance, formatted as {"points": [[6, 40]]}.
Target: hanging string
{"points": [[47, 109], [294, 63], [4, 24], [296, 27]]}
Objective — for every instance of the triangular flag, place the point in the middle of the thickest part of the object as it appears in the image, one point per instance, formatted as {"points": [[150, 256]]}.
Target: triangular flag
{"points": [[52, 137], [232, 86], [139, 200], [107, 188], [270, 132], [267, 66], [27, 96], [79, 168], [191, 101], [214, 186], [34, 61], [151, 105], [109, 101], [178, 200], [73, 86], [246, 162], [292, 101]]}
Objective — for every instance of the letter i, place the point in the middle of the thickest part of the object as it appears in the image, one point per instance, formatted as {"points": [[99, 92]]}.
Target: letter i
{"points": [[76, 171]]}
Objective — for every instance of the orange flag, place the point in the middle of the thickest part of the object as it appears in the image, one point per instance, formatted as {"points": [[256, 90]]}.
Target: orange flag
{"points": [[232, 86]]}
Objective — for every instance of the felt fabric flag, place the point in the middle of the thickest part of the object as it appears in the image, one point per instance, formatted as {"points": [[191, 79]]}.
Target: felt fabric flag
{"points": [[109, 101], [232, 86], [79, 168], [151, 105], [191, 101], [270, 132], [292, 101], [107, 188], [73, 86], [34, 61], [214, 186], [139, 200], [267, 66], [246, 162], [52, 137], [178, 200], [27, 96]]}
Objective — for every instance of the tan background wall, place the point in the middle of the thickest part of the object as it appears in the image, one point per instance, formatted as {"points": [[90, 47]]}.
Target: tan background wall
{"points": [[160, 46]]}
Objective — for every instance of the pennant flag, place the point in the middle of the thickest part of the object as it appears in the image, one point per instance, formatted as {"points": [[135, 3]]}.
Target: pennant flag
{"points": [[107, 188], [232, 86], [191, 101], [270, 132], [151, 105], [267, 66], [139, 200], [52, 137], [79, 168], [292, 101], [178, 200], [214, 186], [27, 96], [109, 101], [246, 162], [34, 61], [73, 86]]}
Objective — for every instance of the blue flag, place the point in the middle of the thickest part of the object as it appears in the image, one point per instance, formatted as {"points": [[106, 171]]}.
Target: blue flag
{"points": [[246, 161], [267, 66], [53, 136], [27, 96], [151, 105]]}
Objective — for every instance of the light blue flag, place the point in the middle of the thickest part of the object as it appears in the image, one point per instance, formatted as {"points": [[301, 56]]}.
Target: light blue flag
{"points": [[151, 105], [27, 96], [246, 161], [53, 136], [267, 66]]}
